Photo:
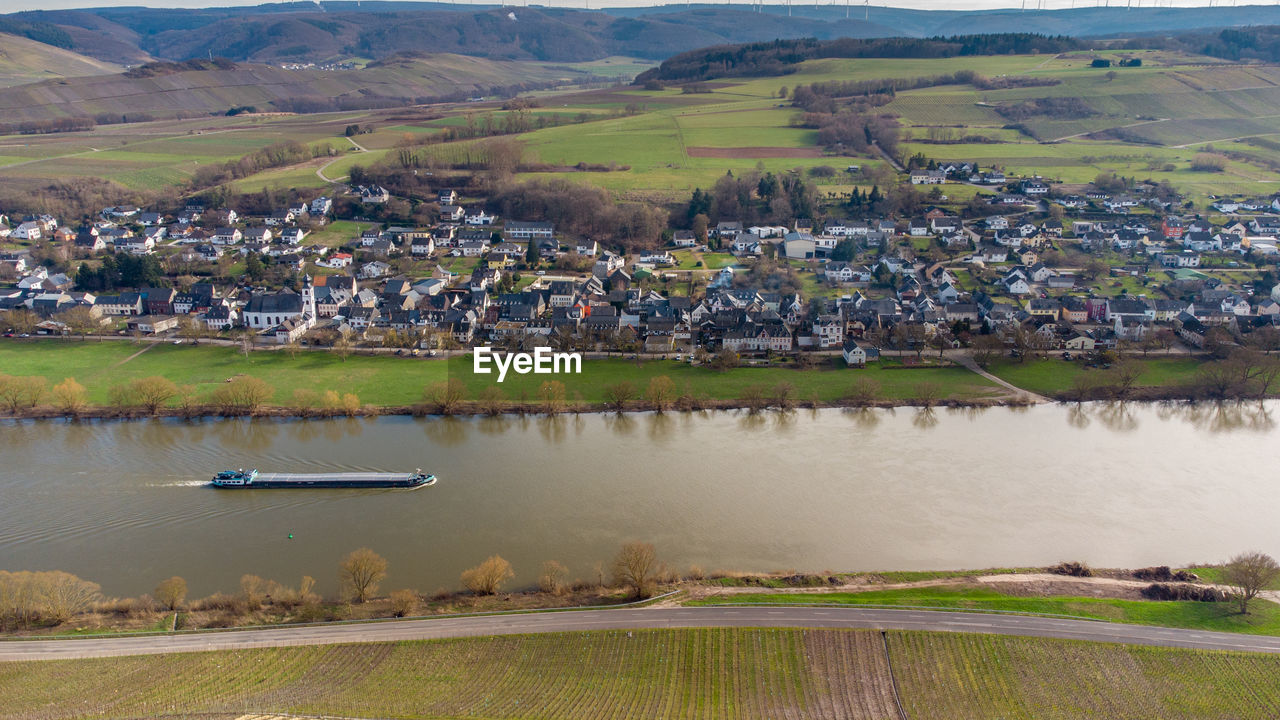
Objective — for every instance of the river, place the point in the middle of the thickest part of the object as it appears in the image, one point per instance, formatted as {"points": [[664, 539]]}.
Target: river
{"points": [[126, 503]]}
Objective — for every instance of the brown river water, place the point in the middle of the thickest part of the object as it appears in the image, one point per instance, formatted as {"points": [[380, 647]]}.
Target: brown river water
{"points": [[126, 503]]}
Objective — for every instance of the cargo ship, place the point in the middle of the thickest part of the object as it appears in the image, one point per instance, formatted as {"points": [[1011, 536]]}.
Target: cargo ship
{"points": [[255, 479]]}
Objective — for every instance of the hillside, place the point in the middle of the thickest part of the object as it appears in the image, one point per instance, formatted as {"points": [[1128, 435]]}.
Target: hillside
{"points": [[170, 92], [26, 61], [306, 32]]}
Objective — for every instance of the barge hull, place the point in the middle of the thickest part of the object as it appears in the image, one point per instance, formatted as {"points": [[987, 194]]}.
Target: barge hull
{"points": [[334, 480]]}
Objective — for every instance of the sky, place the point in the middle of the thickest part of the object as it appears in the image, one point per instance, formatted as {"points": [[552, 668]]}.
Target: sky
{"points": [[17, 5]]}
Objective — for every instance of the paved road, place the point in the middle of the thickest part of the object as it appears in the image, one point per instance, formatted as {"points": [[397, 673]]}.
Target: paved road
{"points": [[640, 618]]}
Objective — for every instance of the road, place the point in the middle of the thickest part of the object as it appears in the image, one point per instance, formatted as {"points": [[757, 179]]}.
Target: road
{"points": [[639, 618]]}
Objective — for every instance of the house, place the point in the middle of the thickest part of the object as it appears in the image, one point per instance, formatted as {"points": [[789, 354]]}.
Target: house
{"points": [[928, 177], [944, 224], [683, 239], [29, 230], [480, 217], [588, 248], [321, 206], [518, 230], [1035, 188], [452, 213], [227, 236], [123, 304], [728, 229], [422, 247], [997, 222], [152, 324], [336, 260], [447, 197], [375, 269], [374, 195], [858, 355], [843, 272]]}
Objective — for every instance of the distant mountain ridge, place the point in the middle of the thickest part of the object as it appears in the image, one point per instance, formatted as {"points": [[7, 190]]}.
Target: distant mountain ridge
{"points": [[306, 32]]}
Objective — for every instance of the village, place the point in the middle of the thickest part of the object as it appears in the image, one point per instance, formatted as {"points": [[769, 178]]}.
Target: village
{"points": [[1044, 269]]}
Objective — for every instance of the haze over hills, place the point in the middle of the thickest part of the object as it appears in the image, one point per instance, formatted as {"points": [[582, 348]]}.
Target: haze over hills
{"points": [[23, 60], [213, 88], [306, 32]]}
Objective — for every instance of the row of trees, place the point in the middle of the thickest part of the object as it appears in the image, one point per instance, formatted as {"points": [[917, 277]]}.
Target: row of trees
{"points": [[238, 396]]}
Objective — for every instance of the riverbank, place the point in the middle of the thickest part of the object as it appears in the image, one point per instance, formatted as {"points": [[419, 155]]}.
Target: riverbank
{"points": [[296, 384], [1112, 595]]}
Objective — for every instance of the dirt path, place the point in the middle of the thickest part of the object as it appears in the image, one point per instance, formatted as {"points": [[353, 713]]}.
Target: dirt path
{"points": [[148, 347], [320, 170], [969, 363]]}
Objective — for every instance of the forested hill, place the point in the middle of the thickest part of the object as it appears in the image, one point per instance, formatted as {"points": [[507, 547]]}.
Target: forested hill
{"points": [[326, 31], [781, 56]]}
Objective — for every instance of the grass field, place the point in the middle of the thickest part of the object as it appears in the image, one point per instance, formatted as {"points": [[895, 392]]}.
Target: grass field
{"points": [[673, 674], [1053, 376], [385, 380], [1263, 619]]}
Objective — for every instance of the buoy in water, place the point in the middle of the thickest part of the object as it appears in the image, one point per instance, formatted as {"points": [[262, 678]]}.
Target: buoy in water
{"points": [[290, 536]]}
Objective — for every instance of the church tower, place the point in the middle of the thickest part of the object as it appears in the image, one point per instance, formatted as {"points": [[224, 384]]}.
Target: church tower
{"points": [[308, 298]]}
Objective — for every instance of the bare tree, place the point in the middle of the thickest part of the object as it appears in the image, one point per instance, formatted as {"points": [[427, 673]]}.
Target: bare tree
{"points": [[70, 397], [254, 590], [48, 596], [552, 578], [152, 392], [360, 572], [487, 577], [242, 394], [1250, 573], [1121, 378], [342, 347], [987, 348], [170, 593], [619, 395], [492, 401], [552, 397], [445, 398], [784, 395], [928, 393], [753, 398], [21, 393], [661, 393], [863, 392], [636, 567]]}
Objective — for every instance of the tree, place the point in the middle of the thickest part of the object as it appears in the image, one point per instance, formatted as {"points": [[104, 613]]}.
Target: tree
{"points": [[243, 394], [70, 397], [170, 593], [987, 348], [445, 398], [863, 392], [342, 347], [253, 589], [152, 392], [726, 359], [661, 393], [552, 578], [552, 397], [635, 567], [1250, 573], [492, 401], [360, 572], [487, 577], [18, 393], [619, 395], [79, 320]]}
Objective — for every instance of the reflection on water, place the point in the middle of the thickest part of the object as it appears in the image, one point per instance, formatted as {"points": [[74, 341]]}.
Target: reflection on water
{"points": [[126, 503]]}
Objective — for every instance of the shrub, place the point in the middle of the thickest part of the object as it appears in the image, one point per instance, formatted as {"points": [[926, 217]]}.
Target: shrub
{"points": [[1196, 593], [487, 577], [404, 603], [1074, 569], [552, 578]]}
